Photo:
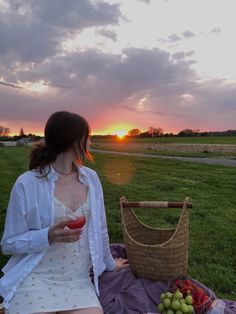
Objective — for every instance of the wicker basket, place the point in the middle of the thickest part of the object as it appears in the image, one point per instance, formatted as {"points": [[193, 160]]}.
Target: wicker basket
{"points": [[153, 253]]}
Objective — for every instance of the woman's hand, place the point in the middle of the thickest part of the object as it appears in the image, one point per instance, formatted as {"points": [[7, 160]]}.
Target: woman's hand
{"points": [[121, 263], [57, 233]]}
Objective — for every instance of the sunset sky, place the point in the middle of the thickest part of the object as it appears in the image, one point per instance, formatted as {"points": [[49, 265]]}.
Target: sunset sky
{"points": [[121, 64]]}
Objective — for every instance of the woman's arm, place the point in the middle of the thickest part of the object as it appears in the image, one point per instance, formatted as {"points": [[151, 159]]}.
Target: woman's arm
{"points": [[108, 258], [17, 237]]}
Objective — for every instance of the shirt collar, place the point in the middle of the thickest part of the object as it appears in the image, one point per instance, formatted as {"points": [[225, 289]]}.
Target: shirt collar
{"points": [[80, 169]]}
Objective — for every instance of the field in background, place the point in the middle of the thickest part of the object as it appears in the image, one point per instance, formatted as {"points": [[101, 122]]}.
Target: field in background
{"points": [[192, 140], [172, 146], [212, 219]]}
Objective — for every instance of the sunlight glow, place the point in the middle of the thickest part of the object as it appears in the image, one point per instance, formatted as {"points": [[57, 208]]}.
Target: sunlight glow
{"points": [[119, 129], [121, 134], [119, 171]]}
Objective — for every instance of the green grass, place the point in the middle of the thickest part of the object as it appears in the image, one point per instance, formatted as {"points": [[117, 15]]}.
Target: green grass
{"points": [[190, 140], [212, 257]]}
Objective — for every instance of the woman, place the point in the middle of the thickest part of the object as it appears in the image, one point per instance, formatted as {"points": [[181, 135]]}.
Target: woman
{"points": [[49, 268]]}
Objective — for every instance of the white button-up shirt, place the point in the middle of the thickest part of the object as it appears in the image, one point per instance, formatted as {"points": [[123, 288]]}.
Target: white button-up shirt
{"points": [[30, 213]]}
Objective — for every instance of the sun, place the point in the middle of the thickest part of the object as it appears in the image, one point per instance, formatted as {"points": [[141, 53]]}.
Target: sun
{"points": [[120, 134]]}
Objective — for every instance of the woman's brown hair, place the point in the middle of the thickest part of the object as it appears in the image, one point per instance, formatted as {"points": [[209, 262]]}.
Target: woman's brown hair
{"points": [[62, 132]]}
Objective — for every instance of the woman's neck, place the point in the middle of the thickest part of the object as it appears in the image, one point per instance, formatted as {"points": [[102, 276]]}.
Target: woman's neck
{"points": [[64, 163]]}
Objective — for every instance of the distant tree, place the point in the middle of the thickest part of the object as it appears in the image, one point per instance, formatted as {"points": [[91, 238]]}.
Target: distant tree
{"points": [[186, 132], [144, 134], [4, 131], [22, 133], [204, 134], [168, 135], [154, 132], [134, 132]]}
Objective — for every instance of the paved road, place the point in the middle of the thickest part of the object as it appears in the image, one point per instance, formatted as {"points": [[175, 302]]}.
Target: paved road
{"points": [[210, 161]]}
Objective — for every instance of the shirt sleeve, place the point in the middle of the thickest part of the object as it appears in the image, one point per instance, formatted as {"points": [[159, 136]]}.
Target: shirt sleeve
{"points": [[108, 258], [17, 237]]}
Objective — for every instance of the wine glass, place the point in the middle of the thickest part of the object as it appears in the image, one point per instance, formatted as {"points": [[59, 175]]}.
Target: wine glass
{"points": [[77, 221]]}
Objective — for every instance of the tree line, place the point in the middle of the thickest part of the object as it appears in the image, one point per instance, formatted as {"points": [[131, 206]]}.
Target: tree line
{"points": [[5, 135], [151, 132], [158, 132]]}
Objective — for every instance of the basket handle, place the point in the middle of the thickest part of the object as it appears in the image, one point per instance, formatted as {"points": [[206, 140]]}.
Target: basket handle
{"points": [[147, 204]]}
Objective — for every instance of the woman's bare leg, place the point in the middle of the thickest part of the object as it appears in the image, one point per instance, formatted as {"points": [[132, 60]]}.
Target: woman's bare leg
{"points": [[89, 310], [45, 313]]}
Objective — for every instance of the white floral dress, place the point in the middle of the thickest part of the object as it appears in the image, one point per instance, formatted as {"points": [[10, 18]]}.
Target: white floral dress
{"points": [[61, 280]]}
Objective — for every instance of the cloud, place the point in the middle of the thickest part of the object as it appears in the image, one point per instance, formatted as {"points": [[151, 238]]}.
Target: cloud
{"points": [[188, 34], [94, 72], [40, 26], [10, 85], [99, 85], [149, 1], [25, 107], [181, 54], [216, 30], [145, 1], [26, 40], [155, 112], [173, 38], [93, 79], [70, 14], [111, 34]]}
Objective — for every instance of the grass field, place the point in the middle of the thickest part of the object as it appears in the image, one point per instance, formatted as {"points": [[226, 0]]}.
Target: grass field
{"points": [[212, 257], [178, 146]]}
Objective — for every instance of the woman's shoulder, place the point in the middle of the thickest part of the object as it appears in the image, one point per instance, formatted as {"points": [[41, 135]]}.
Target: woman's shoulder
{"points": [[27, 177], [88, 171]]}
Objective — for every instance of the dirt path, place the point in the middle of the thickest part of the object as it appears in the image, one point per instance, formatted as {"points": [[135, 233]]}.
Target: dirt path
{"points": [[211, 161]]}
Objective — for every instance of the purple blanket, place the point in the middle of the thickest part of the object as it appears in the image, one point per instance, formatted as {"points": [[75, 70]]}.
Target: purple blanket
{"points": [[122, 293]]}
